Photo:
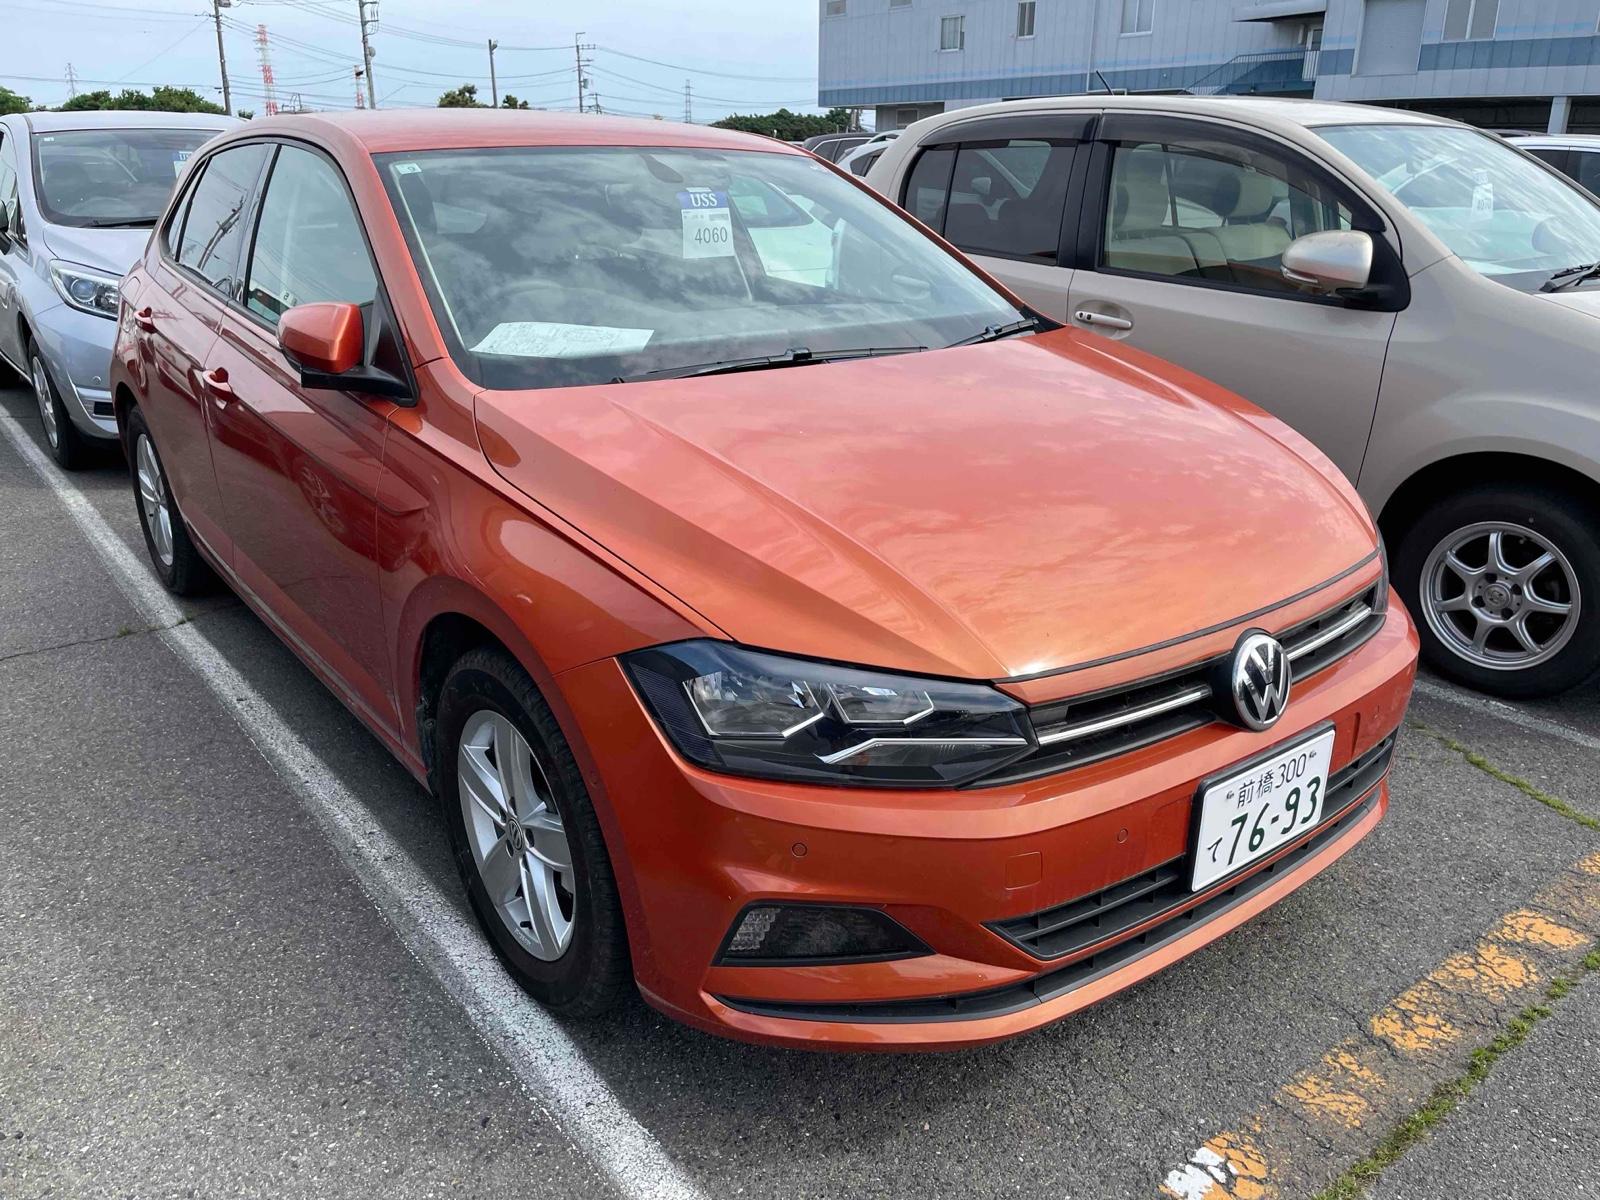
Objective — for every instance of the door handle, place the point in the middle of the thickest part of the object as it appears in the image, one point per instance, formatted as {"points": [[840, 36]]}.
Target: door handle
{"points": [[1084, 317], [145, 319], [216, 381]]}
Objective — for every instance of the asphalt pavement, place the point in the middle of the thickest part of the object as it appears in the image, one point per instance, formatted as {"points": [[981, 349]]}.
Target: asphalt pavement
{"points": [[208, 990]]}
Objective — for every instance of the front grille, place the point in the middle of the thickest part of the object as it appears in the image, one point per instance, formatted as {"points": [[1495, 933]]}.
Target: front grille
{"points": [[1106, 915], [1357, 789], [1085, 729]]}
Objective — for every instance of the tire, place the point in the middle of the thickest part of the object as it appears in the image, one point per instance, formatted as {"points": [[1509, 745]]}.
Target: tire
{"points": [[67, 446], [1456, 592], [177, 562], [487, 703]]}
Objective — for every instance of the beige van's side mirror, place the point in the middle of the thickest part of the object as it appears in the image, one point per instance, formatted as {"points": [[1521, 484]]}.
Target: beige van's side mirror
{"points": [[1334, 261]]}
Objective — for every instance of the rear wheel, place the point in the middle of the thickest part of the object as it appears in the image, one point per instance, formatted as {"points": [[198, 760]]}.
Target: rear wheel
{"points": [[68, 447], [1505, 584], [172, 552], [525, 837]]}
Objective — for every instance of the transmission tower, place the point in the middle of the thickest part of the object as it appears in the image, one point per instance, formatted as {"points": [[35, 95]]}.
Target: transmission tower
{"points": [[270, 105], [72, 81], [688, 103]]}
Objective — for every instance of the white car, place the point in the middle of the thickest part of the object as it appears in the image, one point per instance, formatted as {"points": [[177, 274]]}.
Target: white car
{"points": [[1575, 155], [859, 161], [1417, 297]]}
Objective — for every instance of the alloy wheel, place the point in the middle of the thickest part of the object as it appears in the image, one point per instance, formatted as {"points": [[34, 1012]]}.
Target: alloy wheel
{"points": [[514, 828], [153, 499], [1500, 595], [46, 401]]}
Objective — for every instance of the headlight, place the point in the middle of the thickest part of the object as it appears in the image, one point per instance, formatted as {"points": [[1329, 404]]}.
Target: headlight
{"points": [[748, 713], [85, 289]]}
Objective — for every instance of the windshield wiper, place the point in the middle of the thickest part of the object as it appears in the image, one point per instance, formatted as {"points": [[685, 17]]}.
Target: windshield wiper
{"points": [[1571, 277], [800, 356], [120, 222], [995, 332]]}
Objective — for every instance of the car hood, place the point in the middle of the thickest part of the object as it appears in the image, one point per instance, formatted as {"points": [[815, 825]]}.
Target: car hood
{"points": [[983, 512], [1583, 300], [111, 250]]}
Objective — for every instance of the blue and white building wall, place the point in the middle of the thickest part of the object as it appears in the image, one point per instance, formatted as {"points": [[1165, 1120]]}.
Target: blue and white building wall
{"points": [[1527, 63]]}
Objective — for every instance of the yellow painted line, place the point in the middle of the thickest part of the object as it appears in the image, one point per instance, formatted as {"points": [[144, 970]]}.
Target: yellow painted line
{"points": [[1340, 1108]]}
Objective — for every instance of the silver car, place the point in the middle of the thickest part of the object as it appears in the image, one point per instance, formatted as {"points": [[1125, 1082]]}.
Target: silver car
{"points": [[1418, 298], [79, 193]]}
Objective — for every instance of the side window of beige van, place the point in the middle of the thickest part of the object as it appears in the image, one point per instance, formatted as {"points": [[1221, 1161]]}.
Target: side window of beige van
{"points": [[1208, 210]]}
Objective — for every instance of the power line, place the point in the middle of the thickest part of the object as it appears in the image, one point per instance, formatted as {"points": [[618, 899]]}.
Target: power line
{"points": [[700, 71]]}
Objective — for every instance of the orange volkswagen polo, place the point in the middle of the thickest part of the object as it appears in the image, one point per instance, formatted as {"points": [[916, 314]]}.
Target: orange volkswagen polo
{"points": [[787, 619]]}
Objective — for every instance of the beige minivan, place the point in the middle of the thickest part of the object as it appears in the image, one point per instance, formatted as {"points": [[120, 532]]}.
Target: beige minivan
{"points": [[1417, 297]]}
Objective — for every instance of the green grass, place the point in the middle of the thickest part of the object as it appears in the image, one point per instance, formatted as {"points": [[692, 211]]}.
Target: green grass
{"points": [[1554, 803], [1353, 1183]]}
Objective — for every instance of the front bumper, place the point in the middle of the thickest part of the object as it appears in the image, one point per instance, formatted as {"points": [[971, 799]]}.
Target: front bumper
{"points": [[693, 848], [77, 353]]}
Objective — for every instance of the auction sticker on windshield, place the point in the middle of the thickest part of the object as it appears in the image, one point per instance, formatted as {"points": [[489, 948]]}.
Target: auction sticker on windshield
{"points": [[1248, 814], [707, 224]]}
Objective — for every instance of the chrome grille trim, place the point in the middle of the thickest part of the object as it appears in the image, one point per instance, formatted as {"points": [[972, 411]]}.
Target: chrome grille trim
{"points": [[1154, 708], [1311, 645], [1079, 730]]}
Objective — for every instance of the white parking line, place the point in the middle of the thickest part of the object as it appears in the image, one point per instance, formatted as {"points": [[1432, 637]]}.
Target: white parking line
{"points": [[1510, 714], [550, 1067]]}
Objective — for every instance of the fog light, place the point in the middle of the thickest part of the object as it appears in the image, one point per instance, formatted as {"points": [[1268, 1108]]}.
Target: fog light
{"points": [[813, 934]]}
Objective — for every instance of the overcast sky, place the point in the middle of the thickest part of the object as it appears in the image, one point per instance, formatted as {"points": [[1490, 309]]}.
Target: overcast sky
{"points": [[741, 55]]}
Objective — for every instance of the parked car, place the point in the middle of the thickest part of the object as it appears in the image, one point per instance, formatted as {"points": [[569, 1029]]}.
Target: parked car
{"points": [[1575, 155], [1410, 293], [78, 194], [834, 146], [855, 661], [859, 161]]}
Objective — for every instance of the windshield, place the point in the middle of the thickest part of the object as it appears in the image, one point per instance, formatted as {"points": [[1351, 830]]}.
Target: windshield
{"points": [[555, 267], [110, 176], [1499, 211]]}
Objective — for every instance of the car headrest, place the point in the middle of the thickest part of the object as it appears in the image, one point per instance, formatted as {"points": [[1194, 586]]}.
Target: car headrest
{"points": [[1141, 200]]}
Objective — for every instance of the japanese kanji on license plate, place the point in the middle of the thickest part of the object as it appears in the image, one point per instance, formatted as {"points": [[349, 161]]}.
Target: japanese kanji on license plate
{"points": [[1248, 814]]}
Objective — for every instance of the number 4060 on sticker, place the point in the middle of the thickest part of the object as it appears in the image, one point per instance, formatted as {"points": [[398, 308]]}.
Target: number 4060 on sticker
{"points": [[707, 224]]}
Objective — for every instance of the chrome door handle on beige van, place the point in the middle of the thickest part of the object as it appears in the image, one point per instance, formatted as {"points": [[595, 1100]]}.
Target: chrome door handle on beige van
{"points": [[1084, 317]]}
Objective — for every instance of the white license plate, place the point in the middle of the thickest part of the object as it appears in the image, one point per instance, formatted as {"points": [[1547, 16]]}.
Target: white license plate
{"points": [[1246, 815]]}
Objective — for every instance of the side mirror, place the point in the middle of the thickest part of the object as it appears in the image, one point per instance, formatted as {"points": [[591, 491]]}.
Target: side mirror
{"points": [[322, 339], [1337, 260]]}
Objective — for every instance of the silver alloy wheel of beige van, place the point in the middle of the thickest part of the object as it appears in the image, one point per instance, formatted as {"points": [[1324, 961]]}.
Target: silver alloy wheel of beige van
{"points": [[1500, 595]]}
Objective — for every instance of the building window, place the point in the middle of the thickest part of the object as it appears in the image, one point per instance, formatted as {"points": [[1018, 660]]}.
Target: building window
{"points": [[1138, 16], [904, 117], [1470, 20], [833, 8], [952, 33], [899, 3], [1025, 18]]}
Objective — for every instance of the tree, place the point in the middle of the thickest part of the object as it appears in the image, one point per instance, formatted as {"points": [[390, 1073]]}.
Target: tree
{"points": [[510, 101], [161, 99], [788, 126], [465, 96], [10, 102]]}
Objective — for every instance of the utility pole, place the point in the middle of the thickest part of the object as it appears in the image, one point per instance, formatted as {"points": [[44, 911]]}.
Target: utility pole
{"points": [[494, 90], [222, 59], [688, 103], [72, 81], [578, 47], [366, 46]]}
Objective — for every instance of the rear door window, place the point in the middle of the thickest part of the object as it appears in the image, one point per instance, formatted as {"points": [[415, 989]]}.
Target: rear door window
{"points": [[1585, 168], [213, 231], [1007, 198]]}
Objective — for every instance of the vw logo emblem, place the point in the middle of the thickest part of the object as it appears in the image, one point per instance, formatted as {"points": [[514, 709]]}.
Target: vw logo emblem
{"points": [[1259, 680]]}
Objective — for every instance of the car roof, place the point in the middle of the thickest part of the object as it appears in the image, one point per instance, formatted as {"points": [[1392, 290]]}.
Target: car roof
{"points": [[95, 118], [1281, 113], [386, 130], [1558, 139]]}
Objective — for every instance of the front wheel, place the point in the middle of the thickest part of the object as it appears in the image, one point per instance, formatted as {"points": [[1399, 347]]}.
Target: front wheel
{"points": [[68, 447], [1505, 584], [172, 552], [526, 838]]}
